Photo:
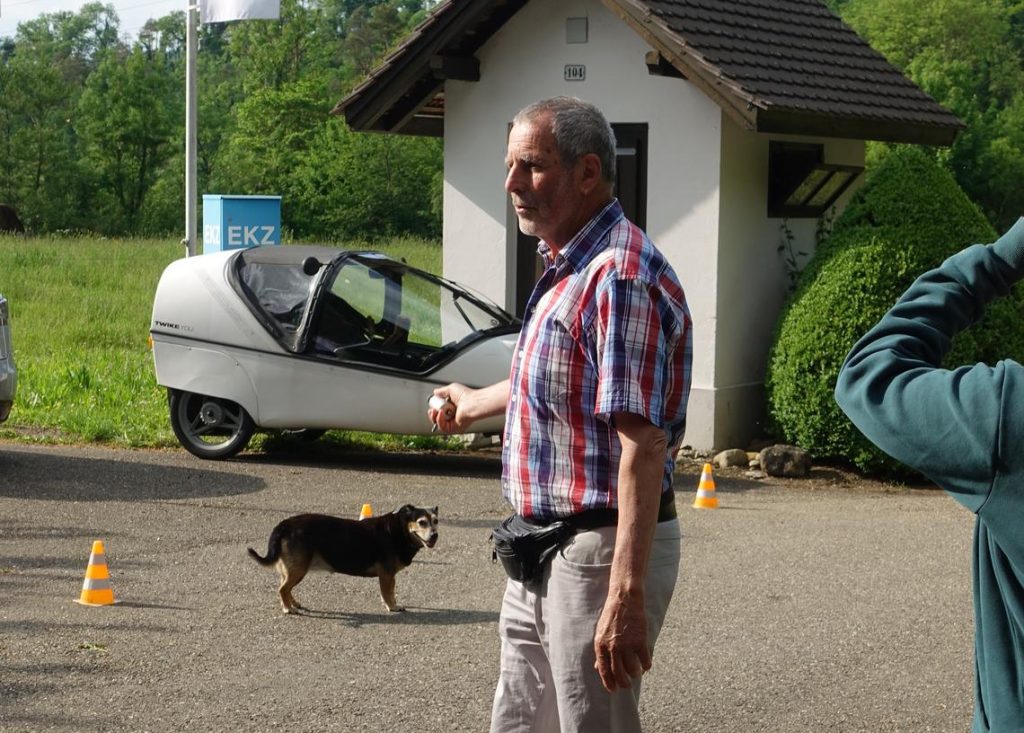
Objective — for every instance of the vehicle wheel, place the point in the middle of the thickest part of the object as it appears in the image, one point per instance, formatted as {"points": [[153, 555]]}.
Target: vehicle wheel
{"points": [[209, 427]]}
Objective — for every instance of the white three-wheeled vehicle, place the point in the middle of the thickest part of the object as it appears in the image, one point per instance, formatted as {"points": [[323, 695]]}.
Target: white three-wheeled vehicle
{"points": [[311, 338]]}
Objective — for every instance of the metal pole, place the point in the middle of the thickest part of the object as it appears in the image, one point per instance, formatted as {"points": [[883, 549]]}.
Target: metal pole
{"points": [[191, 118]]}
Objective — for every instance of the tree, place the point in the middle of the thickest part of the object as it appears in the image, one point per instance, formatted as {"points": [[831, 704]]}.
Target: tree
{"points": [[125, 116], [272, 54], [274, 132], [39, 158], [165, 38], [367, 185], [371, 31], [73, 42]]}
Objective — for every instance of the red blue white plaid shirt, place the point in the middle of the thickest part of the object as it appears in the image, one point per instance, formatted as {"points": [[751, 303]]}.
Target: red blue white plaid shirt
{"points": [[606, 330]]}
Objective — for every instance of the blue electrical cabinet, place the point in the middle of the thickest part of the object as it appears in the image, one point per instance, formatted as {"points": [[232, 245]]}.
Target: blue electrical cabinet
{"points": [[238, 222]]}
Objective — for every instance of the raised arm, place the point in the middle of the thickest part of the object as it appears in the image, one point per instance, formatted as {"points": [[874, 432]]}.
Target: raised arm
{"points": [[955, 426]]}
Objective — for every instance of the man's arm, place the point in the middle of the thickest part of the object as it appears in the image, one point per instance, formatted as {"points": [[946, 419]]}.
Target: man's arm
{"points": [[470, 404], [620, 640], [948, 424]]}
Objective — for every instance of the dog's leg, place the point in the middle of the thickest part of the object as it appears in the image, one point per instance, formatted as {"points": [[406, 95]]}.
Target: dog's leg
{"points": [[291, 576], [387, 591]]}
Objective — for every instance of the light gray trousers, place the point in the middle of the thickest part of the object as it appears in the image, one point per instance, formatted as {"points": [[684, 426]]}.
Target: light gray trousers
{"points": [[547, 682]]}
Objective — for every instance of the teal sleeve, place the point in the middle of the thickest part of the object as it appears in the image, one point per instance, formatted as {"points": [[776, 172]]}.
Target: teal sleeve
{"points": [[958, 427]]}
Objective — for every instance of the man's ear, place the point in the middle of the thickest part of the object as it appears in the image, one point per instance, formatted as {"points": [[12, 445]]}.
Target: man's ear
{"points": [[589, 172]]}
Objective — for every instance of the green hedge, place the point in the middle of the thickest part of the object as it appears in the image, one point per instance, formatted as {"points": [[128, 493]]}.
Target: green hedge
{"points": [[908, 217]]}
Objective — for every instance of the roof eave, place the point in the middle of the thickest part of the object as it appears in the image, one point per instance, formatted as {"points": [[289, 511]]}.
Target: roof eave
{"points": [[412, 75], [796, 122]]}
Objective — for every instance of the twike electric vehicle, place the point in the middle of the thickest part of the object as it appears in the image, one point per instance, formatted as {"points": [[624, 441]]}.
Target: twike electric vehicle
{"points": [[311, 338]]}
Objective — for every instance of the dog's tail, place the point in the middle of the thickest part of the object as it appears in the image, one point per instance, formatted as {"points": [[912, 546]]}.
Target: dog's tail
{"points": [[273, 550]]}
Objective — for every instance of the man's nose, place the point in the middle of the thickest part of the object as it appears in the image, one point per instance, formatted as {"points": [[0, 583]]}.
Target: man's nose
{"points": [[513, 179]]}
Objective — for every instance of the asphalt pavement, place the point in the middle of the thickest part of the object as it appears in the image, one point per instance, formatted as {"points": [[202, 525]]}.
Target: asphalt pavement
{"points": [[803, 605]]}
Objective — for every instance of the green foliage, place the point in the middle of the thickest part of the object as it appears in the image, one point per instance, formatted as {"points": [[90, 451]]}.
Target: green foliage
{"points": [[371, 30], [274, 129], [908, 217], [967, 54], [92, 124], [125, 116], [368, 185], [272, 54]]}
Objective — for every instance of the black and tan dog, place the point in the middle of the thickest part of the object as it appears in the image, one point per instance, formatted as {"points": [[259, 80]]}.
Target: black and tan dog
{"points": [[372, 547]]}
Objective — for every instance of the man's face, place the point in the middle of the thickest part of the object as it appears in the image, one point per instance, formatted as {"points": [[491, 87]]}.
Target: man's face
{"points": [[544, 192]]}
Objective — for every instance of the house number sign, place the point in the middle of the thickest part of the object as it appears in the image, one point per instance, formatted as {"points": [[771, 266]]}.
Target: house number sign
{"points": [[575, 72]]}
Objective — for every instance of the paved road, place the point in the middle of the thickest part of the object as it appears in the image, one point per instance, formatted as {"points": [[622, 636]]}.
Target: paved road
{"points": [[803, 605]]}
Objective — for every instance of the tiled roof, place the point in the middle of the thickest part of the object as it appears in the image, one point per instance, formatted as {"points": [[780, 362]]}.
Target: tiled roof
{"points": [[784, 66], [788, 56]]}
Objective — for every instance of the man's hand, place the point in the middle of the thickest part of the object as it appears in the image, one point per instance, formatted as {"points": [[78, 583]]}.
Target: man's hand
{"points": [[620, 642], [469, 405], [443, 407]]}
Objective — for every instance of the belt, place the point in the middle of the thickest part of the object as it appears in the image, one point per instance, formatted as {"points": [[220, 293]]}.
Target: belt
{"points": [[594, 518]]}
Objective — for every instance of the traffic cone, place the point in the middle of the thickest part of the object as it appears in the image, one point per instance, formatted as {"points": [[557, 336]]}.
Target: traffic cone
{"points": [[706, 498], [96, 590], [365, 512]]}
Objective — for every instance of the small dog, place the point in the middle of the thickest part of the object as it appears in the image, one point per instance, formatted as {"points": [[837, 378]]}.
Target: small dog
{"points": [[371, 547]]}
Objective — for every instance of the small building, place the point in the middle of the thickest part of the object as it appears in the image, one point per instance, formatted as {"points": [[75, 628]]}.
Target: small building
{"points": [[739, 124]]}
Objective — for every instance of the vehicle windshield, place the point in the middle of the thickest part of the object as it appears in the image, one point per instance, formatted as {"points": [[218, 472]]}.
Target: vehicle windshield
{"points": [[384, 312]]}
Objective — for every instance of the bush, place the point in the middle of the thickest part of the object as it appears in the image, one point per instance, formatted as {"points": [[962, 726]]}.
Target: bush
{"points": [[909, 216]]}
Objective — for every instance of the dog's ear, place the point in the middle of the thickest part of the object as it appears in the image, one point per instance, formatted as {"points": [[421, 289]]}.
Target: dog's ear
{"points": [[434, 512], [404, 509]]}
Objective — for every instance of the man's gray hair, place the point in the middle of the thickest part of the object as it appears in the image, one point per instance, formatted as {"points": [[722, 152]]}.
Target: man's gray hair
{"points": [[579, 129]]}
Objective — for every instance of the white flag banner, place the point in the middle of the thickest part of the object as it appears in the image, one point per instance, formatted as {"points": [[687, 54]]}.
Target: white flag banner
{"points": [[222, 11]]}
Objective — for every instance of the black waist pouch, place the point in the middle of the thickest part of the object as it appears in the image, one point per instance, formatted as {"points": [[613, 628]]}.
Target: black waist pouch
{"points": [[524, 547]]}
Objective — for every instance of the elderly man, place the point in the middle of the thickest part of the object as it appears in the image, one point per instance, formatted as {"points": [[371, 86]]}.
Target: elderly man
{"points": [[595, 409]]}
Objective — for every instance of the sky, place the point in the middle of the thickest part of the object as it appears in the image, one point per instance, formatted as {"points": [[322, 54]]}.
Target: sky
{"points": [[132, 13]]}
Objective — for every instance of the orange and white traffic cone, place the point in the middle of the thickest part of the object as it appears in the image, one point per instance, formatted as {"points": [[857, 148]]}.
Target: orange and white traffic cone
{"points": [[365, 512], [96, 590], [706, 498]]}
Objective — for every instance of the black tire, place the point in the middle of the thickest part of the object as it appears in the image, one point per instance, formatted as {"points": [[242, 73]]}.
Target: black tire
{"points": [[209, 427]]}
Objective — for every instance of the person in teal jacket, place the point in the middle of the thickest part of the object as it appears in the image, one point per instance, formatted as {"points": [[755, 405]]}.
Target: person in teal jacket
{"points": [[963, 429]]}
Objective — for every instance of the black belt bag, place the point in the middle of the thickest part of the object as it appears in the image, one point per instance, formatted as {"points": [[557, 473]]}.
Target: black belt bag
{"points": [[524, 547]]}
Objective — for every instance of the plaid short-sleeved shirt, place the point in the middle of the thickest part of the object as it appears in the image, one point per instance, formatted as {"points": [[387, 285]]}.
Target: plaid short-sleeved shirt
{"points": [[606, 330]]}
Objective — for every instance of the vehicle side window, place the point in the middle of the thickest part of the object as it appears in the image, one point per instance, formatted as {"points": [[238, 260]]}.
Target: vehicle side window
{"points": [[351, 308], [383, 312], [282, 291], [380, 312], [361, 288]]}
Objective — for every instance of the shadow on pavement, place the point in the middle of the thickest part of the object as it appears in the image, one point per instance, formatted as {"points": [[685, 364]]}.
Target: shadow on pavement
{"points": [[412, 615], [56, 477], [481, 465]]}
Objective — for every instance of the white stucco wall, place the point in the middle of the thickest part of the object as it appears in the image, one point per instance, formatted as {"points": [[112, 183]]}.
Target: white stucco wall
{"points": [[752, 275], [525, 62]]}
